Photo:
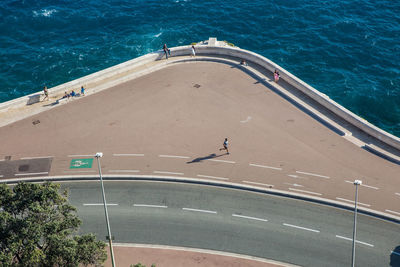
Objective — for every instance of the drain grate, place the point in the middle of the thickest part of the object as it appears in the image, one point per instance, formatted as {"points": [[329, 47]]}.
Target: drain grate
{"points": [[35, 122], [23, 168], [197, 85]]}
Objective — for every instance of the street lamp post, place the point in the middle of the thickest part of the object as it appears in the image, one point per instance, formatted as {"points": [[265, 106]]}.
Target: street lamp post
{"points": [[98, 156], [353, 254]]}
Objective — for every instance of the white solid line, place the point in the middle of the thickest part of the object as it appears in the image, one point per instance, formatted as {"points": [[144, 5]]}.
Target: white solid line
{"points": [[395, 212], [124, 171], [299, 227], [313, 174], [394, 252], [346, 238], [205, 211], [77, 171], [162, 172], [1, 176], [304, 191], [368, 186], [128, 155], [74, 156], [32, 173], [397, 194], [298, 185], [149, 206], [212, 177], [264, 166], [267, 185], [172, 156], [99, 204], [224, 161], [351, 201], [248, 217], [44, 157]]}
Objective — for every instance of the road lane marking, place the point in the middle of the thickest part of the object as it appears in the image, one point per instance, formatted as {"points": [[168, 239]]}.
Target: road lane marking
{"points": [[368, 186], [396, 253], [128, 155], [212, 177], [77, 171], [172, 156], [303, 228], [150, 206], [124, 171], [395, 212], [351, 201], [205, 211], [313, 174], [265, 166], [99, 204], [250, 218], [304, 191], [1, 176], [31, 173], [44, 157], [163, 172], [267, 185], [246, 120], [297, 185], [349, 239], [223, 161], [76, 156]]}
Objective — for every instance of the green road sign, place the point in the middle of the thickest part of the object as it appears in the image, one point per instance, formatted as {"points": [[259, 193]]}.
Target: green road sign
{"points": [[81, 163]]}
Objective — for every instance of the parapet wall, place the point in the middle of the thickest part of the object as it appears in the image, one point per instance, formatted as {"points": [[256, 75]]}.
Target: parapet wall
{"points": [[94, 81]]}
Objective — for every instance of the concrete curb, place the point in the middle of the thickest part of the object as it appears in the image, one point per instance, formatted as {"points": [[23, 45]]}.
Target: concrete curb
{"points": [[228, 185]]}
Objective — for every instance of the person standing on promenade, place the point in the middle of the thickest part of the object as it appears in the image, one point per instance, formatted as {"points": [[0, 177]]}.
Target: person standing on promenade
{"points": [[166, 51], [82, 90], [225, 144], [276, 75], [193, 52], [46, 93]]}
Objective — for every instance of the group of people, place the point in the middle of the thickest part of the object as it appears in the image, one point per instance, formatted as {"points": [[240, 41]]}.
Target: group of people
{"points": [[66, 95], [167, 51]]}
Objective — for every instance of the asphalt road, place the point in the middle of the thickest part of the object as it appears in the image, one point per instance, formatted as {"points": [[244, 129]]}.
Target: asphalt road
{"points": [[235, 221]]}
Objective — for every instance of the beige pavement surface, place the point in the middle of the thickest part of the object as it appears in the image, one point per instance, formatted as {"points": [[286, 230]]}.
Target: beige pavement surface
{"points": [[172, 123]]}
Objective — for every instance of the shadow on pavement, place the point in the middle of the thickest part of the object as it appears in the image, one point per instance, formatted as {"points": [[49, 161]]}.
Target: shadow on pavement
{"points": [[395, 257], [211, 156]]}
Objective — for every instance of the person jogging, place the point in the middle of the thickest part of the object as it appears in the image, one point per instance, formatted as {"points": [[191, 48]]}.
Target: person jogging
{"points": [[225, 144]]}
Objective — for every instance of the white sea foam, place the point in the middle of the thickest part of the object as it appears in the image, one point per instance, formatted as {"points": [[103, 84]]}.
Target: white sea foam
{"points": [[158, 34], [44, 13]]}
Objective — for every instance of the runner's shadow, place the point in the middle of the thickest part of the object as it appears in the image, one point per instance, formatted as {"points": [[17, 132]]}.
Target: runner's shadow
{"points": [[211, 156]]}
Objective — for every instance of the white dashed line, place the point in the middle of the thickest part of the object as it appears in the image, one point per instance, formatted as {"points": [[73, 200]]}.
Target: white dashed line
{"points": [[124, 171], [267, 185], [205, 211], [128, 155], [303, 228], [150, 206], [212, 177], [313, 174], [77, 171], [32, 173], [266, 167], [396, 253], [44, 157], [172, 156], [75, 156], [394, 212], [99, 204], [250, 218], [163, 172], [223, 161], [349, 239], [368, 186], [294, 176], [297, 185], [246, 120], [351, 201], [304, 191]]}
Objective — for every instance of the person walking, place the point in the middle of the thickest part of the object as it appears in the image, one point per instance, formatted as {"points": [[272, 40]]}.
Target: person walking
{"points": [[46, 93], [193, 52], [166, 51], [225, 144]]}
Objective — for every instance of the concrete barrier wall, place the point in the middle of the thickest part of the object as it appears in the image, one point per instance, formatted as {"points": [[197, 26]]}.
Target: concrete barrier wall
{"points": [[229, 51]]}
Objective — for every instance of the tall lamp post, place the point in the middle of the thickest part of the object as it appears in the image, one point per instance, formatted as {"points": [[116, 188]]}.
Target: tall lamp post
{"points": [[353, 254], [98, 156]]}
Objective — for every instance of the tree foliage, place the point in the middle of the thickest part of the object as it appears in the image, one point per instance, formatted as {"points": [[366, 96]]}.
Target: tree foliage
{"points": [[38, 227]]}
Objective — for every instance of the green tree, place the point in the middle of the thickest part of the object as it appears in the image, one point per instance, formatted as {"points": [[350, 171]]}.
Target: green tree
{"points": [[38, 227]]}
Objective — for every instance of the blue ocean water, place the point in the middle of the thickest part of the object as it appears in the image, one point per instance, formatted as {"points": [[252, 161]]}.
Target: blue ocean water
{"points": [[349, 50]]}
